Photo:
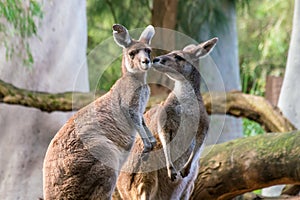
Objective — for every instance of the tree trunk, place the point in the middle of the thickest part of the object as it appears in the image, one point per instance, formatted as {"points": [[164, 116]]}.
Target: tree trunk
{"points": [[164, 15], [260, 148], [225, 57], [289, 96], [59, 55], [247, 164]]}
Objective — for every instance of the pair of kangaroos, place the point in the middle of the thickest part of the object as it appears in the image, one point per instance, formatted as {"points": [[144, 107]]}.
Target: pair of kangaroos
{"points": [[84, 159]]}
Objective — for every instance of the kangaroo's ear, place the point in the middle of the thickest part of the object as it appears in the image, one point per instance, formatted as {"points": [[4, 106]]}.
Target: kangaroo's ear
{"points": [[147, 34], [202, 49], [121, 35], [189, 48]]}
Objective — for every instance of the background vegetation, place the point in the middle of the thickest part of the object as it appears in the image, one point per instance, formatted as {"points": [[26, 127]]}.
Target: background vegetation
{"points": [[264, 29], [19, 22], [264, 36]]}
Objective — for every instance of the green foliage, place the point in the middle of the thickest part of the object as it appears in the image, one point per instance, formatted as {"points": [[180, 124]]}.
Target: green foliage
{"points": [[101, 15], [264, 35], [257, 191], [251, 128], [110, 76], [17, 25], [264, 29]]}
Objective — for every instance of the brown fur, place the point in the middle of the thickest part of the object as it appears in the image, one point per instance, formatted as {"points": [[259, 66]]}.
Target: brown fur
{"points": [[182, 113], [84, 158]]}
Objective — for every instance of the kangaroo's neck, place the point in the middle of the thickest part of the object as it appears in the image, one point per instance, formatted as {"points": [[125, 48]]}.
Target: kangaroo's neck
{"points": [[191, 86], [195, 79], [141, 76], [183, 89]]}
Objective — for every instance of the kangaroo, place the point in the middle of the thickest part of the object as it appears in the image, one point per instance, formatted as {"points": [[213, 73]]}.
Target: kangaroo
{"points": [[84, 158], [183, 110]]}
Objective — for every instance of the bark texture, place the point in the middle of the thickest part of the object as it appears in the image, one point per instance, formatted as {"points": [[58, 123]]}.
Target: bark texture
{"points": [[47, 102], [164, 16], [255, 108], [247, 164], [228, 169], [289, 96], [164, 13], [232, 103]]}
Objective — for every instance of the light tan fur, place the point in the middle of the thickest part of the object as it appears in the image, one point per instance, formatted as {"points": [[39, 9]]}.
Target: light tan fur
{"points": [[84, 158], [180, 124]]}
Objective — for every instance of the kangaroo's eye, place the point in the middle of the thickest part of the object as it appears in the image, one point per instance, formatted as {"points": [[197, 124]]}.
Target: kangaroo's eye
{"points": [[132, 54], [179, 58], [148, 51]]}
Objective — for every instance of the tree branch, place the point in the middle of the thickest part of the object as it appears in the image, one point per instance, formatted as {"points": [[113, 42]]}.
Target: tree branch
{"points": [[233, 103], [291, 190], [229, 169], [47, 102], [255, 108], [247, 164]]}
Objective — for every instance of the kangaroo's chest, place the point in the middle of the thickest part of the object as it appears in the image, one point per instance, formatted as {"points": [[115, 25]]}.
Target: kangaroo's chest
{"points": [[180, 115]]}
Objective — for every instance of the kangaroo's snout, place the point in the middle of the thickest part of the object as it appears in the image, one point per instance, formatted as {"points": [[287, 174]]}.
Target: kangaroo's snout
{"points": [[145, 63], [156, 60], [159, 60]]}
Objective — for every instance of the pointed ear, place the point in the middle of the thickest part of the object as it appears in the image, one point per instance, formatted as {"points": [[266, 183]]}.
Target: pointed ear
{"points": [[147, 34], [189, 48], [121, 35], [202, 49]]}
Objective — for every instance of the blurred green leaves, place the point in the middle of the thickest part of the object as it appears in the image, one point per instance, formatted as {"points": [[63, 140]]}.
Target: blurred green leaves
{"points": [[251, 128], [264, 29], [264, 35], [18, 22], [101, 15]]}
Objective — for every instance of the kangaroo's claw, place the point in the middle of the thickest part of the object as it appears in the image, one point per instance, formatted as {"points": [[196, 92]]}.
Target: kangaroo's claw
{"points": [[172, 173], [147, 147], [173, 177], [153, 141]]}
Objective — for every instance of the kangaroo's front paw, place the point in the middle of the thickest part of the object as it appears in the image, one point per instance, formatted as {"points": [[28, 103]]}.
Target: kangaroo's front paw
{"points": [[153, 141], [147, 147], [172, 173]]}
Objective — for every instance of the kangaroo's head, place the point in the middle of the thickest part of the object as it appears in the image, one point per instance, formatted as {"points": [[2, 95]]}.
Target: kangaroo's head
{"points": [[136, 53], [181, 65]]}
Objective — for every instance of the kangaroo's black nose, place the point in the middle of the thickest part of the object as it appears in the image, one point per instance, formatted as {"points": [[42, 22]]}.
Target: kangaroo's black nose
{"points": [[146, 61], [155, 60]]}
